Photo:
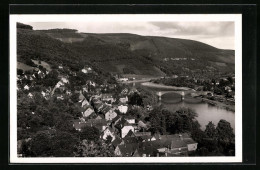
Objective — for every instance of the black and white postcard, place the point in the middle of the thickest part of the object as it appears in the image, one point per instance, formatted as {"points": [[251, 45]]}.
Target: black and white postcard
{"points": [[132, 88]]}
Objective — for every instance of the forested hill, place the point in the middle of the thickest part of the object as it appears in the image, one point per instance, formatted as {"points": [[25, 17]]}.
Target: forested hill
{"points": [[125, 53]]}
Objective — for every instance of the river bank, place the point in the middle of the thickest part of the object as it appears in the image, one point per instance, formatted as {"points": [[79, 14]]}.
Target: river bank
{"points": [[219, 104], [162, 86]]}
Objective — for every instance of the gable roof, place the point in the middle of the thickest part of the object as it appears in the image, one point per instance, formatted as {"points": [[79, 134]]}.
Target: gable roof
{"points": [[88, 112], [128, 149], [130, 134], [116, 142]]}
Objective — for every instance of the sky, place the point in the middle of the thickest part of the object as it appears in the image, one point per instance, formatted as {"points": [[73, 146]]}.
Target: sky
{"points": [[218, 34]]}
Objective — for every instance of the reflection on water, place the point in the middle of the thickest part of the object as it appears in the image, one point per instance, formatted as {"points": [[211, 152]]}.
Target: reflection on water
{"points": [[205, 112]]}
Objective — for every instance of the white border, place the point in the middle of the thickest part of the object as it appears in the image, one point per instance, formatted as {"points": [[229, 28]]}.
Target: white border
{"points": [[237, 18]]}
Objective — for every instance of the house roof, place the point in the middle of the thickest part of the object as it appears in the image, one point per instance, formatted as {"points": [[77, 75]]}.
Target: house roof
{"points": [[121, 123], [81, 96], [88, 112], [78, 124], [130, 139], [141, 124], [105, 109], [116, 142], [107, 95], [130, 134], [128, 149]]}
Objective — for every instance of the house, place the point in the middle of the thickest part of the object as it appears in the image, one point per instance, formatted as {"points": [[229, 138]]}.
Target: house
{"points": [[123, 79], [43, 93], [126, 150], [123, 108], [108, 131], [78, 124], [64, 80], [81, 97], [124, 91], [130, 120], [107, 97], [84, 102], [178, 144], [26, 87], [125, 129], [143, 134], [84, 70], [85, 89], [123, 99], [117, 141], [60, 97], [130, 134], [30, 95], [88, 113], [109, 115], [141, 125], [68, 92], [116, 120], [99, 106], [59, 84], [99, 117], [99, 124]]}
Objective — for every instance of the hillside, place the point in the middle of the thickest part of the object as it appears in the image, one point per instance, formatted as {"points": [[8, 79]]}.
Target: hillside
{"points": [[125, 53]]}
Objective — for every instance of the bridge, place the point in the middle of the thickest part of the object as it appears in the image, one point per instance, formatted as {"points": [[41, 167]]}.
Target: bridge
{"points": [[181, 93]]}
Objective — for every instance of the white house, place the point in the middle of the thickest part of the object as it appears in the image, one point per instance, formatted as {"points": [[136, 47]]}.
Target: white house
{"points": [[26, 87], [85, 102], [123, 79], [84, 70], [64, 80], [60, 97], [30, 95], [43, 93], [126, 129], [108, 132], [88, 112], [111, 114], [122, 108], [130, 120]]}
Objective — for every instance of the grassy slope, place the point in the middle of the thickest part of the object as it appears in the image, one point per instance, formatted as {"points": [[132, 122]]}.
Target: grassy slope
{"points": [[113, 52]]}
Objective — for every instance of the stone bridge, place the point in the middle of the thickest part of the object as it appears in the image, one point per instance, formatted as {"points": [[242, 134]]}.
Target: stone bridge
{"points": [[182, 93]]}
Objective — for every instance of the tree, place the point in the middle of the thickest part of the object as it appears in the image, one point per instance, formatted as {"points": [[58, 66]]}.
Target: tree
{"points": [[40, 144], [64, 144], [225, 132], [94, 149], [210, 130], [45, 114], [135, 99], [156, 120], [185, 118], [19, 72], [51, 79], [74, 97], [108, 139], [90, 133]]}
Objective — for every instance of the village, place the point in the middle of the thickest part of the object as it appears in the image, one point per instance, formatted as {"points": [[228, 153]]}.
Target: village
{"points": [[108, 112]]}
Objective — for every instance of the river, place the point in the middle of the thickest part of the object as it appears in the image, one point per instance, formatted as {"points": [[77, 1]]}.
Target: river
{"points": [[205, 111]]}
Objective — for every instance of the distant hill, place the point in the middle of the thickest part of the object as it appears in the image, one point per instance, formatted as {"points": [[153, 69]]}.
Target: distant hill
{"points": [[127, 53]]}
